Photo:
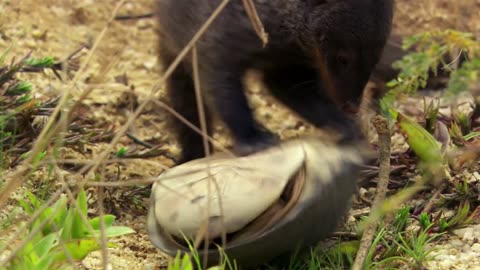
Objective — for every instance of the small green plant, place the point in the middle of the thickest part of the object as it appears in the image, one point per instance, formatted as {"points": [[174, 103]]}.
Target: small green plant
{"points": [[431, 114], [181, 262], [460, 218], [334, 259], [431, 51], [396, 244], [456, 134], [192, 260], [424, 220], [16, 103], [62, 233], [414, 244], [121, 152], [433, 159], [383, 252], [464, 121], [466, 77]]}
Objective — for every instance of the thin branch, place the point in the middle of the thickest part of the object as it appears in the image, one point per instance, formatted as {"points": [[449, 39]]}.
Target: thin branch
{"points": [[192, 126], [203, 126], [133, 17], [139, 141], [384, 138], [256, 22]]}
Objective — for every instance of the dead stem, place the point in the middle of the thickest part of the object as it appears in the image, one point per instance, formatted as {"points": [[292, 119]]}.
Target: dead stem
{"points": [[384, 138], [256, 22]]}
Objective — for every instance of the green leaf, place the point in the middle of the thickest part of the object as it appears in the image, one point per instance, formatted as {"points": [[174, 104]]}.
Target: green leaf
{"points": [[386, 108], [33, 200], [443, 225], [25, 206], [45, 245], [118, 231], [187, 263], [79, 249], [431, 114], [348, 248], [181, 262], [82, 201], [121, 152], [79, 229], [67, 229], [42, 62], [27, 251], [461, 215], [456, 134], [19, 89], [45, 263], [175, 264], [464, 78], [23, 99], [464, 121], [107, 219], [49, 226], [422, 143], [424, 220], [401, 219], [408, 42], [471, 135], [39, 157], [60, 207]]}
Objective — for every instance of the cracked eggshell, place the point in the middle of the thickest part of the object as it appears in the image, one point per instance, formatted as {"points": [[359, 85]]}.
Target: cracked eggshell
{"points": [[244, 187], [330, 174]]}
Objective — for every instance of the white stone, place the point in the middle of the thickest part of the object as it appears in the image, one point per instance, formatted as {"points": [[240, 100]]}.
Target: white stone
{"points": [[476, 247], [456, 243]]}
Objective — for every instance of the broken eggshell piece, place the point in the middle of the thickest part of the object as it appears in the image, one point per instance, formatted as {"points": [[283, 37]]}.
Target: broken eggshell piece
{"points": [[274, 200], [240, 190]]}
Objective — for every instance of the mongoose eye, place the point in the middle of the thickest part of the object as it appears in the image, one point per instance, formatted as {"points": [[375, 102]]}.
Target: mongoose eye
{"points": [[343, 60]]}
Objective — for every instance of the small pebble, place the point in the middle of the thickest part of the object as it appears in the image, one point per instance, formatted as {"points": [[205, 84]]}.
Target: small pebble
{"points": [[453, 252], [144, 24], [446, 264], [459, 252], [456, 243], [31, 43], [37, 33], [476, 247], [448, 214], [149, 65], [468, 235]]}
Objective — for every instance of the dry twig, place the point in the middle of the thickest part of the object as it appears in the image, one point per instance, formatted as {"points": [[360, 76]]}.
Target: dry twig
{"points": [[381, 125], [256, 22], [133, 17]]}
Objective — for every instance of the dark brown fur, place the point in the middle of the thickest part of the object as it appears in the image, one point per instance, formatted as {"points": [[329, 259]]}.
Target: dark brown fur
{"points": [[318, 60]]}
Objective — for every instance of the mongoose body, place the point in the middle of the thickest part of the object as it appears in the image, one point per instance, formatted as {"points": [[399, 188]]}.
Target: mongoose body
{"points": [[318, 59]]}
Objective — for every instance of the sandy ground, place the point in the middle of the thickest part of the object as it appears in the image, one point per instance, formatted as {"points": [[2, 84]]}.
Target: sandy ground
{"points": [[59, 27]]}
